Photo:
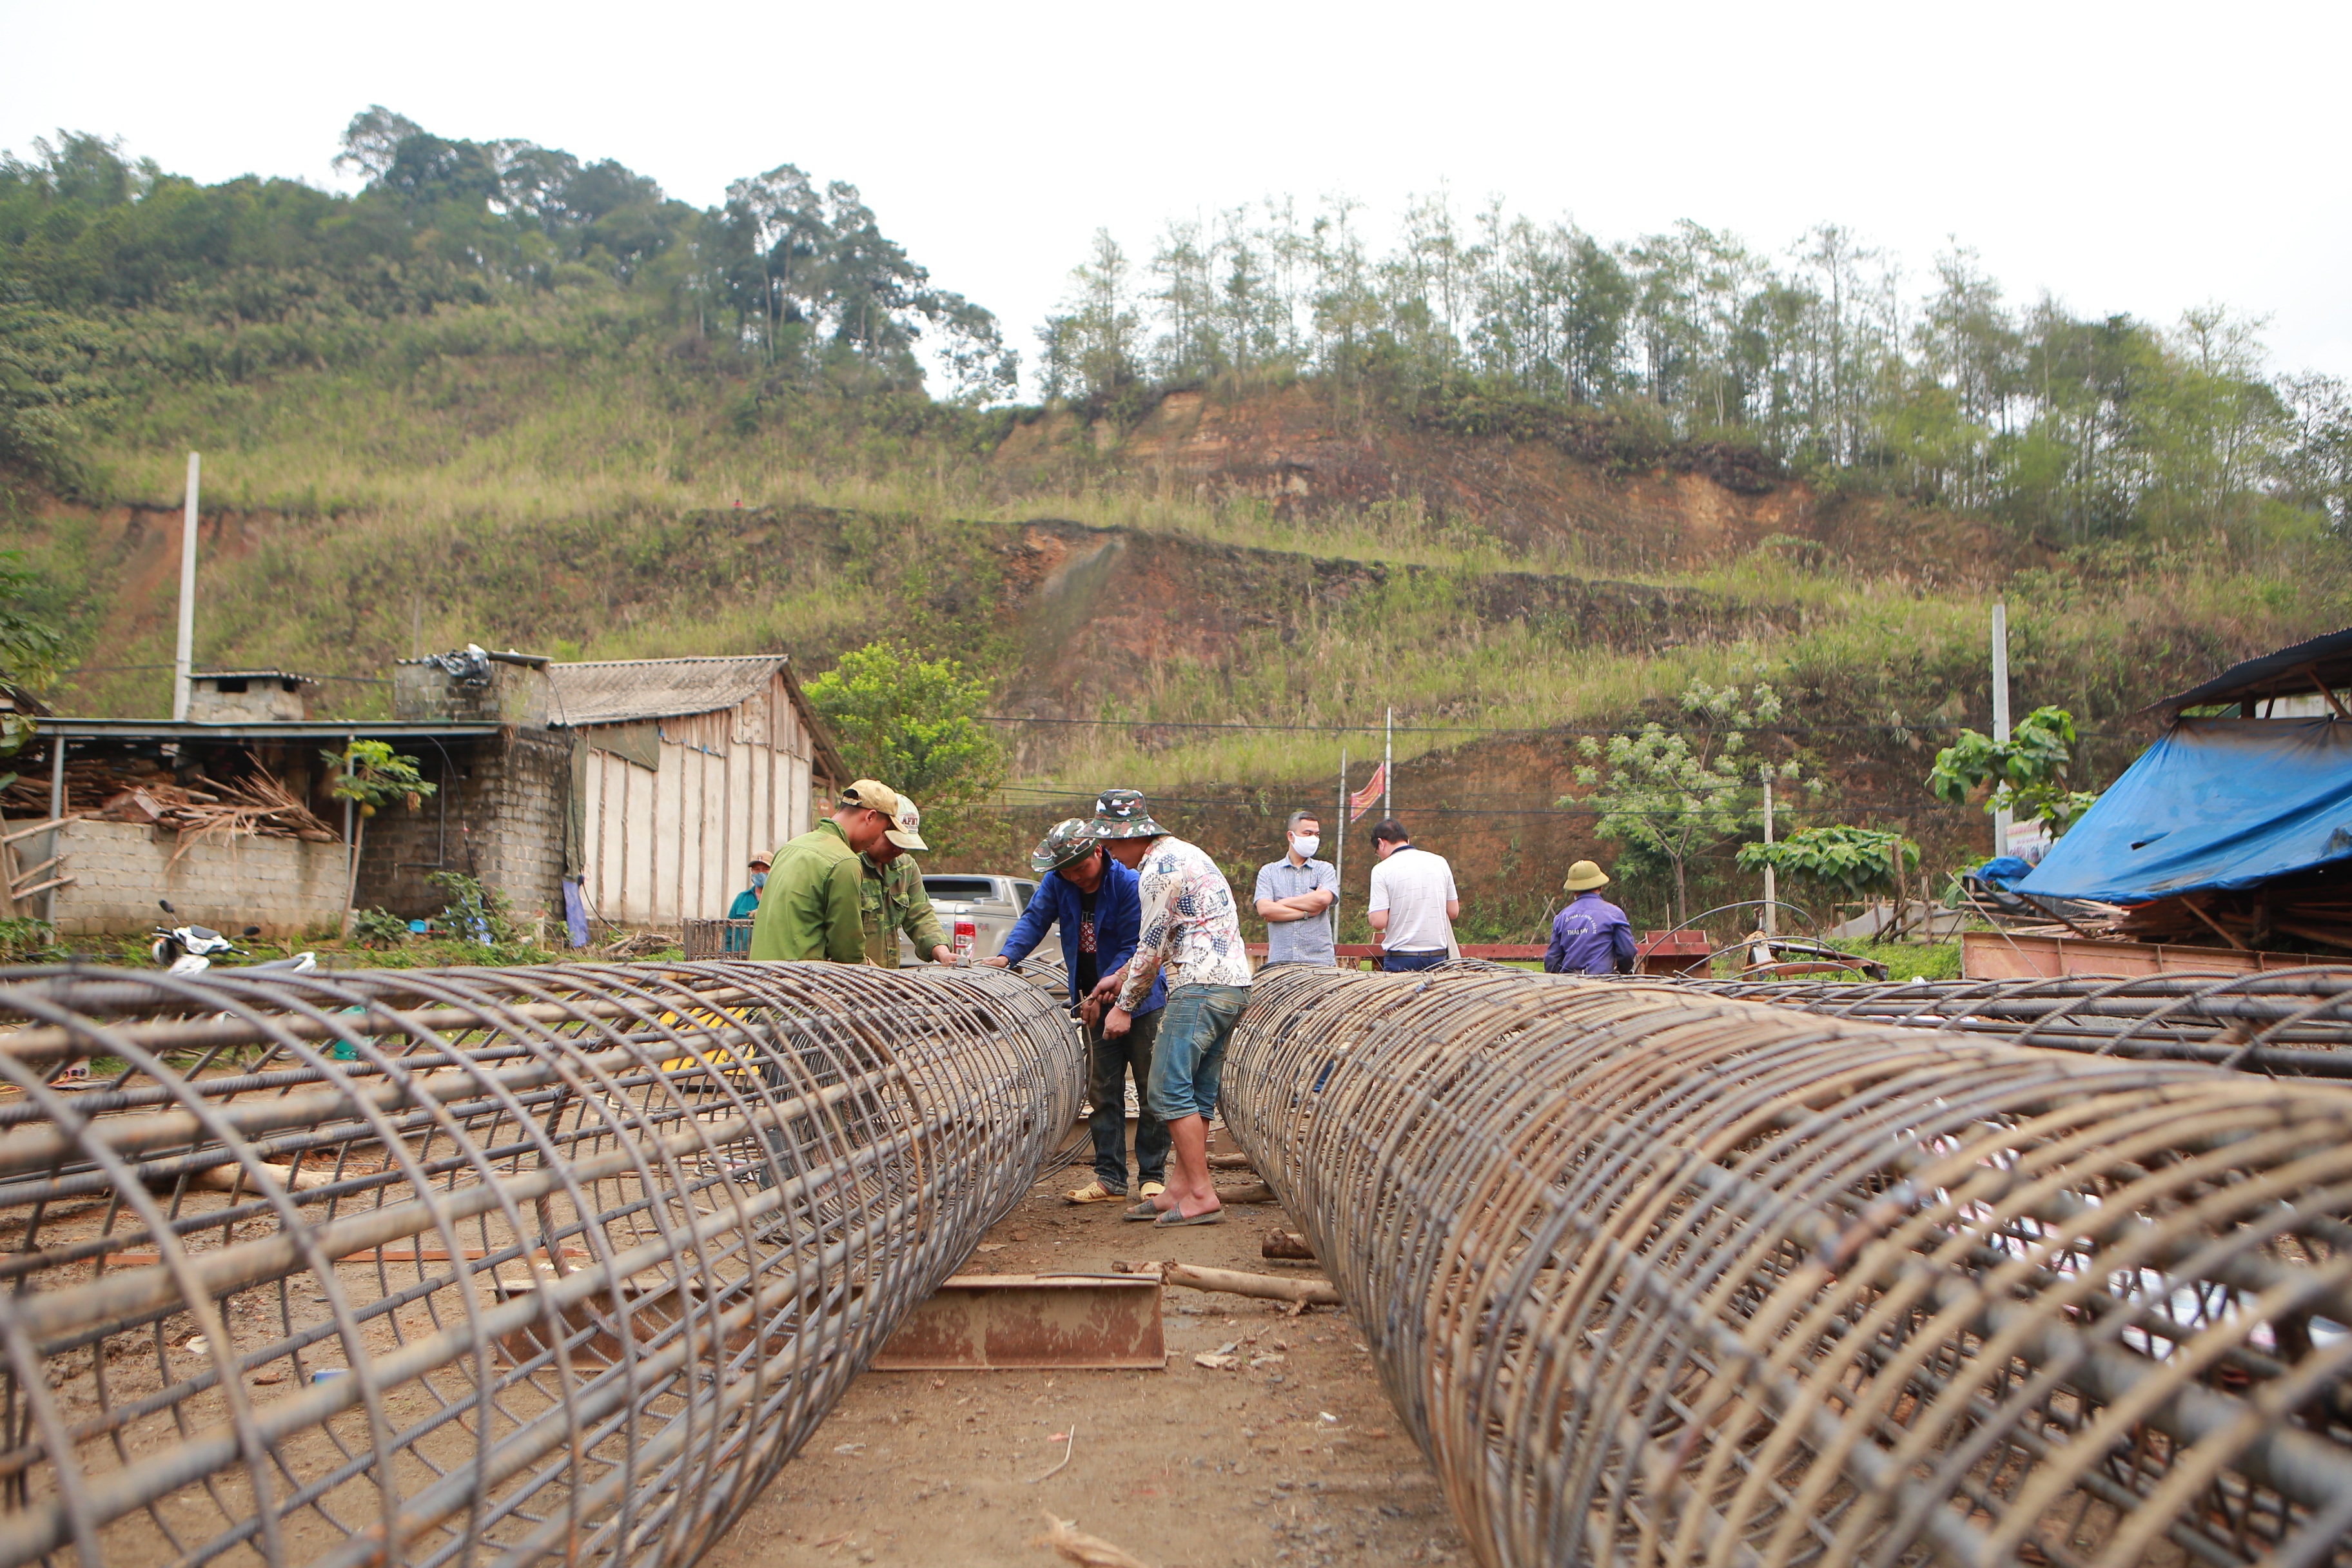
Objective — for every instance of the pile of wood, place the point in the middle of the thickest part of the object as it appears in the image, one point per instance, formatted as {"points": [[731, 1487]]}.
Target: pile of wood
{"points": [[90, 784], [132, 789], [2306, 918]]}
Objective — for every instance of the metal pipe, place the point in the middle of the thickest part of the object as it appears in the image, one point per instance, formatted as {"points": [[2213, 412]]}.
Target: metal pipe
{"points": [[1659, 1276], [557, 1261]]}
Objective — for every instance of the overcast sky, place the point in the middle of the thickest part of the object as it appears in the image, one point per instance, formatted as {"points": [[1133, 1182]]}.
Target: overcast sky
{"points": [[2141, 157]]}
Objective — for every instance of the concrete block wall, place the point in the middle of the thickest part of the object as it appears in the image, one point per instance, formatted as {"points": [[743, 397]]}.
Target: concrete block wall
{"points": [[287, 887], [499, 817]]}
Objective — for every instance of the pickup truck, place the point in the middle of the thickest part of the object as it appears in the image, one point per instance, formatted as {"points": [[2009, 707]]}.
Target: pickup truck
{"points": [[977, 912]]}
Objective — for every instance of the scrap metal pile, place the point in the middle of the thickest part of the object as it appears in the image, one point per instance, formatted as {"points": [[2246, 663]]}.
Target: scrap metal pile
{"points": [[1656, 1276], [477, 1265]]}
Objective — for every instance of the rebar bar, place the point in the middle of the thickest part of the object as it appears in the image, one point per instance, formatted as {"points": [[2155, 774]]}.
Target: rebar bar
{"points": [[1659, 1277], [2292, 1021], [477, 1265]]}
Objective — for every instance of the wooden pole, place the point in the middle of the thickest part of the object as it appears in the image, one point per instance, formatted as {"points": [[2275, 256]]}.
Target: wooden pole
{"points": [[57, 837], [183, 661], [1771, 910], [2001, 709]]}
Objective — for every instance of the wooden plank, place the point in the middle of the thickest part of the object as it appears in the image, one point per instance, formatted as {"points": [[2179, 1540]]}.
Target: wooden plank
{"points": [[2004, 955], [39, 827]]}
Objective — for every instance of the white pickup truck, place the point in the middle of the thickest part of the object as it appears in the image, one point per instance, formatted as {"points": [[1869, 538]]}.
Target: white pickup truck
{"points": [[977, 912]]}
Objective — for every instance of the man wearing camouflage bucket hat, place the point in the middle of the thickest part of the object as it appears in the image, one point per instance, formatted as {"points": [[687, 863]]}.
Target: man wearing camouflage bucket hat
{"points": [[1093, 901], [1192, 927]]}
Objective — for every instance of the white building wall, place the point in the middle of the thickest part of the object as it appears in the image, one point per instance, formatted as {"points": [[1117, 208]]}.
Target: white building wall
{"points": [[288, 887], [670, 844]]}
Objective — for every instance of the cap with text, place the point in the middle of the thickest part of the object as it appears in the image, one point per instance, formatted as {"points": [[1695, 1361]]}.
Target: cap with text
{"points": [[906, 826]]}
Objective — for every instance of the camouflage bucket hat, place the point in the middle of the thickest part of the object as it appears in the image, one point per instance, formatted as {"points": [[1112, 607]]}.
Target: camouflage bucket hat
{"points": [[1121, 814], [1067, 844]]}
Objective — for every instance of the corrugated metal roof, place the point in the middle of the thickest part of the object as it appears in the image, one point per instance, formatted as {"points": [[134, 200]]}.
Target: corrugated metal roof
{"points": [[615, 691], [2321, 663]]}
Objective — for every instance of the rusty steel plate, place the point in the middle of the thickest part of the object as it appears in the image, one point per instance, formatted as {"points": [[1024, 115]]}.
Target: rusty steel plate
{"points": [[1023, 1321]]}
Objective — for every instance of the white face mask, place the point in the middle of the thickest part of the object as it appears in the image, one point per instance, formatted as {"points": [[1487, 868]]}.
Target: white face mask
{"points": [[1307, 844]]}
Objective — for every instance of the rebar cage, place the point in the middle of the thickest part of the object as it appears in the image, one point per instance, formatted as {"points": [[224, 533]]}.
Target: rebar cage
{"points": [[1659, 1277], [477, 1265]]}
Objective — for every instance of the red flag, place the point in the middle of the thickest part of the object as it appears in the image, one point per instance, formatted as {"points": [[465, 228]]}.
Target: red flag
{"points": [[1364, 799]]}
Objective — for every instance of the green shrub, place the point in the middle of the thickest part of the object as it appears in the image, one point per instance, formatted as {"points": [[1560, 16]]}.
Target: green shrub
{"points": [[379, 928]]}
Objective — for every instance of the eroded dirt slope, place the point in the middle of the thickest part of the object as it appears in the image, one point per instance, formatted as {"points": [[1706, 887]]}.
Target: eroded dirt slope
{"points": [[1297, 451]]}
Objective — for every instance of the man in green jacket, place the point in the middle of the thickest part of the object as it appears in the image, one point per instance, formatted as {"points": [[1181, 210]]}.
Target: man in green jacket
{"points": [[811, 906], [894, 899]]}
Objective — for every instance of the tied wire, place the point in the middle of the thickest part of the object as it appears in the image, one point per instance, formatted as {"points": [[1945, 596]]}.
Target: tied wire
{"points": [[1656, 1276], [479, 1266]]}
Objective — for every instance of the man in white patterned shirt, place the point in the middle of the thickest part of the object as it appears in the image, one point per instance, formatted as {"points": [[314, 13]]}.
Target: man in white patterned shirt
{"points": [[1192, 925]]}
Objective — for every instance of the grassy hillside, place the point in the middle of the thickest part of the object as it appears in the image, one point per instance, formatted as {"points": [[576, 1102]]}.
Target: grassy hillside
{"points": [[1173, 608]]}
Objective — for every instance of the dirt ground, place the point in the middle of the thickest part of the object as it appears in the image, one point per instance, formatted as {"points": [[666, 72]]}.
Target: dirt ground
{"points": [[1297, 1460]]}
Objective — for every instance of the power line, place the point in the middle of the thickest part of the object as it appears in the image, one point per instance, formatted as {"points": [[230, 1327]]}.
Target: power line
{"points": [[1506, 729]]}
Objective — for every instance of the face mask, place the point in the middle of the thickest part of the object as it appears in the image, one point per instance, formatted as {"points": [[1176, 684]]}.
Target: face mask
{"points": [[758, 881], [1307, 844]]}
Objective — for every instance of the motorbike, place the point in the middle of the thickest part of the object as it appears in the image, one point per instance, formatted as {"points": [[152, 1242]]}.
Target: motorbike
{"points": [[191, 949]]}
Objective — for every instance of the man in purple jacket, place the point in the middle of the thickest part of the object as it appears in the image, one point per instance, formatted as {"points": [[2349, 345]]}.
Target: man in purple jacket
{"points": [[1591, 936]]}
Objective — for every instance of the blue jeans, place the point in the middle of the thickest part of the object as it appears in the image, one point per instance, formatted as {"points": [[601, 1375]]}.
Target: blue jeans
{"points": [[1111, 1061], [1397, 961], [1188, 1058]]}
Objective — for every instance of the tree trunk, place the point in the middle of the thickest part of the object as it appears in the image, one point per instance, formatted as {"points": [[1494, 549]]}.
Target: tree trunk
{"points": [[1682, 894]]}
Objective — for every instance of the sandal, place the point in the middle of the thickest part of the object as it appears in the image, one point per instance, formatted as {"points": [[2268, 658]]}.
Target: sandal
{"points": [[1151, 1189], [1144, 1212], [1094, 1192], [1172, 1218]]}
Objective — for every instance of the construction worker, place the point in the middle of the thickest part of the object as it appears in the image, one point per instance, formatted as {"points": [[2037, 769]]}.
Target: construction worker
{"points": [[891, 897], [810, 908], [747, 906]]}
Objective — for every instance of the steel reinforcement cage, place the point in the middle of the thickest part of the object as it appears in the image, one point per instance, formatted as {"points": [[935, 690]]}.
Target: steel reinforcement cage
{"points": [[477, 1265], [1654, 1276]]}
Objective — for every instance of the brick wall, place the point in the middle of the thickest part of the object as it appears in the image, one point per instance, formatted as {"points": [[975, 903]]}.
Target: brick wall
{"points": [[285, 885], [499, 816]]}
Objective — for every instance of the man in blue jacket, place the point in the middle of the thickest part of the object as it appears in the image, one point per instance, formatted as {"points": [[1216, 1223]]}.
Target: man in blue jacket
{"points": [[1591, 936], [1097, 903]]}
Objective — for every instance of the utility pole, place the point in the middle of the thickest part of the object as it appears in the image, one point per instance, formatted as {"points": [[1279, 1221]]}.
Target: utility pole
{"points": [[1771, 910], [183, 661], [2001, 709]]}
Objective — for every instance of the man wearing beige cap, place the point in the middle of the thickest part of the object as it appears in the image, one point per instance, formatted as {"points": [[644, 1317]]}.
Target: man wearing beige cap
{"points": [[812, 905], [891, 897]]}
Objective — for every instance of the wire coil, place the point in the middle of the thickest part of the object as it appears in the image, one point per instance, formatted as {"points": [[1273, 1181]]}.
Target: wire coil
{"points": [[477, 1264], [1659, 1277]]}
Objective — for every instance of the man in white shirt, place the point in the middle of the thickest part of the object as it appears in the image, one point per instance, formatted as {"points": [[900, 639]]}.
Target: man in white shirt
{"points": [[1413, 904]]}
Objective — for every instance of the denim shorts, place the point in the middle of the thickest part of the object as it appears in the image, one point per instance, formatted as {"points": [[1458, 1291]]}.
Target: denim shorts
{"points": [[1189, 1057]]}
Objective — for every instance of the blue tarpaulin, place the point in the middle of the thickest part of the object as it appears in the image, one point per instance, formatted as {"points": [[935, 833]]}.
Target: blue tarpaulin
{"points": [[2217, 803]]}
